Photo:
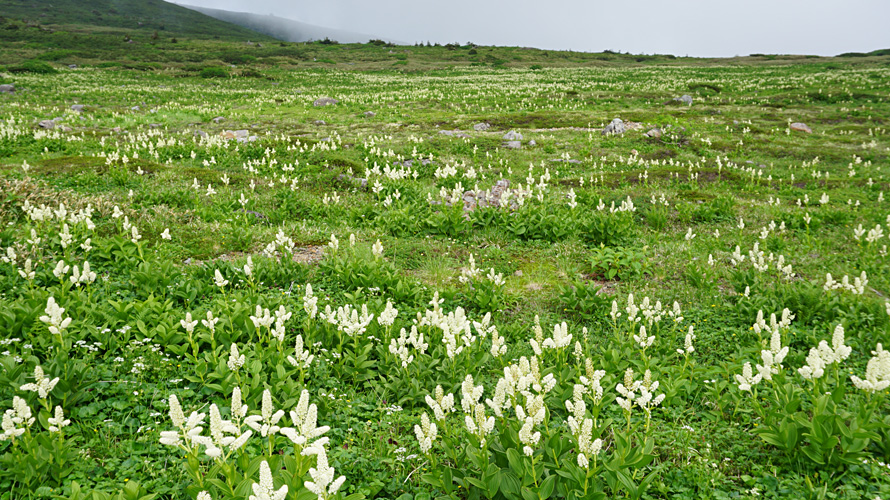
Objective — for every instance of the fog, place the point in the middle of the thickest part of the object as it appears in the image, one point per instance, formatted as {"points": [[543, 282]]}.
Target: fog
{"points": [[705, 28]]}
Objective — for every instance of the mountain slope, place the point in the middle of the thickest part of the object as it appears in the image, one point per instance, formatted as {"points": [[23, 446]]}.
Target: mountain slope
{"points": [[140, 15], [282, 28]]}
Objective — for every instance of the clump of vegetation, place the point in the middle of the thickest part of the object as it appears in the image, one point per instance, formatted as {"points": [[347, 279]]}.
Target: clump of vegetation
{"points": [[214, 72], [33, 66]]}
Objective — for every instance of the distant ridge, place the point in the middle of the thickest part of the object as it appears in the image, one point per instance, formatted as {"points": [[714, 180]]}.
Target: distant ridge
{"points": [[126, 15], [283, 28]]}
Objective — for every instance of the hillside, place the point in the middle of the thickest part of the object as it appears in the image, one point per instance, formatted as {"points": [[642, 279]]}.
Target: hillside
{"points": [[137, 16], [282, 28]]}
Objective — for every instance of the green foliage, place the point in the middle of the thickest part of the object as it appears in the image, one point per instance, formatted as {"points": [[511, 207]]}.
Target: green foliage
{"points": [[214, 72], [33, 66]]}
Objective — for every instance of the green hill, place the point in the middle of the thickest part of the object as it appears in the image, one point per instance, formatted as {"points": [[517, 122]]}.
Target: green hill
{"points": [[123, 16]]}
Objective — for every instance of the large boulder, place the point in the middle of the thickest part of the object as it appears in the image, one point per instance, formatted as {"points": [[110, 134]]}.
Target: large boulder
{"points": [[47, 124], [801, 127], [324, 101], [615, 127], [512, 136], [685, 99]]}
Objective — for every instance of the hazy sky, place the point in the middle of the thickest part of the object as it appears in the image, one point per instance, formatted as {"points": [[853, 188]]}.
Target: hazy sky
{"points": [[680, 27]]}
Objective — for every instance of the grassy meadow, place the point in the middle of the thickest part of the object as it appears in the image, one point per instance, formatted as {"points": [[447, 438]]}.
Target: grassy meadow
{"points": [[447, 284]]}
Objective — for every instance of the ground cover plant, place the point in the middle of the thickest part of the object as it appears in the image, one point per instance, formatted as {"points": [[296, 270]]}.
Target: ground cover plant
{"points": [[445, 283]]}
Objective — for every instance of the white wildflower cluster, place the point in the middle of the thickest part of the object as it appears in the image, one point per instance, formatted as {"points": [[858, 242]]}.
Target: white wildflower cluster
{"points": [[475, 418], [324, 484], [560, 339], [856, 288], [16, 421], [53, 318], [646, 399], [305, 432], [442, 404], [823, 355], [399, 347], [388, 316], [472, 273], [282, 243], [266, 423], [236, 359], [772, 358], [301, 358], [348, 320], [42, 384], [877, 372], [426, 433], [310, 302], [688, 347], [265, 489]]}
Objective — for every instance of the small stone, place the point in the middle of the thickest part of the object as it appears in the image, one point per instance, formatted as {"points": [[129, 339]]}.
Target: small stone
{"points": [[65, 128], [513, 144], [324, 101], [7, 88], [481, 127], [370, 114], [532, 143], [655, 133], [200, 133], [154, 125], [518, 273], [615, 127], [218, 119], [319, 122], [72, 66], [134, 108], [685, 99], [77, 107], [801, 127], [512, 136], [47, 124], [241, 134]]}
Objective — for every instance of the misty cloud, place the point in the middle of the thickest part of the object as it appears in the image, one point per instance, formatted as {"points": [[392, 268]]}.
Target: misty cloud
{"points": [[680, 27]]}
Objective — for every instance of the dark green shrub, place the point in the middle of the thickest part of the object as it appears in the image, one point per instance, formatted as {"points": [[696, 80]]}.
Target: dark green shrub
{"points": [[32, 66], [214, 72]]}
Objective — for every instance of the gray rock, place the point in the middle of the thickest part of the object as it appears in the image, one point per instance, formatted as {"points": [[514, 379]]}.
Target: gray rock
{"points": [[513, 144], [72, 66], [560, 160], [481, 127], [200, 133], [655, 133], [532, 143], [454, 133], [685, 99], [77, 107], [512, 136], [116, 130], [154, 125], [370, 114], [615, 127], [47, 124], [241, 134], [7, 88], [218, 119], [134, 108], [319, 122], [324, 101], [65, 128], [801, 127]]}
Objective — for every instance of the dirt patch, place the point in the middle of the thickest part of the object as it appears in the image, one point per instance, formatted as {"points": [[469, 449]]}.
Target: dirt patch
{"points": [[304, 255]]}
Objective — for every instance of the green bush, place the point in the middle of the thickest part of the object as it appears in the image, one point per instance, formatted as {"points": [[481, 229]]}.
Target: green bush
{"points": [[33, 66], [214, 72]]}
